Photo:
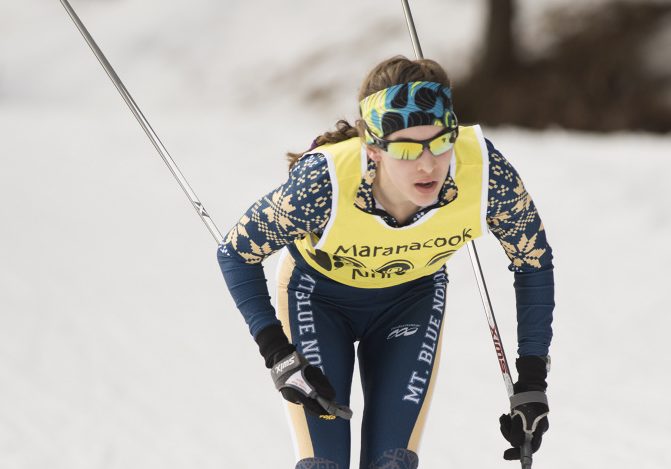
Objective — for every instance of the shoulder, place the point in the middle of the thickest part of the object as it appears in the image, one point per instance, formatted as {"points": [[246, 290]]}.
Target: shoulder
{"points": [[310, 165], [309, 181], [320, 164], [501, 171], [495, 156]]}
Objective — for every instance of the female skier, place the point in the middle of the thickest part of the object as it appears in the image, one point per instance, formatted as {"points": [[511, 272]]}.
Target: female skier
{"points": [[367, 218]]}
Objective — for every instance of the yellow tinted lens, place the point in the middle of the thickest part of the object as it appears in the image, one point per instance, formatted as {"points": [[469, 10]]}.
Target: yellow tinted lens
{"points": [[405, 150], [441, 144]]}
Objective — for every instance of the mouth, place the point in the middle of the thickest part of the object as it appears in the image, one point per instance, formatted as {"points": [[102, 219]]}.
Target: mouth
{"points": [[426, 186]]}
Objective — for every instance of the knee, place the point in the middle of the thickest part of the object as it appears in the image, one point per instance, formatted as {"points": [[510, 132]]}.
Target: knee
{"points": [[397, 458], [316, 463]]}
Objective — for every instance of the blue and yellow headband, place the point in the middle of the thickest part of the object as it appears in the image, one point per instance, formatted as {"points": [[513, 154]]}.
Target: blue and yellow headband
{"points": [[407, 105]]}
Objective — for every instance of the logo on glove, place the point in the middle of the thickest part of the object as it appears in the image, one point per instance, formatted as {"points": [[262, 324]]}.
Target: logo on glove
{"points": [[280, 367]]}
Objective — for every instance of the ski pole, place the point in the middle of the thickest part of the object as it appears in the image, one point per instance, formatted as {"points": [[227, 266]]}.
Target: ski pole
{"points": [[332, 407], [162, 151], [526, 458], [526, 453]]}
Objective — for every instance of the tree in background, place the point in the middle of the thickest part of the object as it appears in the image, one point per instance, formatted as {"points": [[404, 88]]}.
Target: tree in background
{"points": [[597, 76], [500, 50]]}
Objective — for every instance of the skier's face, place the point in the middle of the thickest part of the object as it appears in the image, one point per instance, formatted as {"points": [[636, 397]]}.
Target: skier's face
{"points": [[416, 182]]}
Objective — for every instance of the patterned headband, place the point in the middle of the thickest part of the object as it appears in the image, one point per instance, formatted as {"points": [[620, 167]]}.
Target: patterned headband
{"points": [[408, 105]]}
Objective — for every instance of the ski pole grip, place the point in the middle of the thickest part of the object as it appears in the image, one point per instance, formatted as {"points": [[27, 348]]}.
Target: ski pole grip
{"points": [[526, 455], [332, 408]]}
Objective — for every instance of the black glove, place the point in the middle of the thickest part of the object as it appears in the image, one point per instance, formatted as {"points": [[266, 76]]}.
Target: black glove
{"points": [[297, 380], [528, 407]]}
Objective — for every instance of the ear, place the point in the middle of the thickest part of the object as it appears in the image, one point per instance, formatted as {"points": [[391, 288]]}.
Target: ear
{"points": [[374, 153]]}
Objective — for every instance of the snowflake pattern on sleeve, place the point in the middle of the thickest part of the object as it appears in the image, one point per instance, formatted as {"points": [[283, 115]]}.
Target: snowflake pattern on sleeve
{"points": [[299, 206], [512, 217], [302, 205]]}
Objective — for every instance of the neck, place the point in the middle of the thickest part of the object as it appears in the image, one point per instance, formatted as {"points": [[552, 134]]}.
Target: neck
{"points": [[401, 210]]}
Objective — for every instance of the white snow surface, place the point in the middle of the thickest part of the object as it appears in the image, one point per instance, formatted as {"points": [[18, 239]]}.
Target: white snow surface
{"points": [[120, 347]]}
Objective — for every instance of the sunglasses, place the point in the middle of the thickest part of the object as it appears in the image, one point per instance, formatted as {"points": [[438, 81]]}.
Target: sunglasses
{"points": [[412, 149]]}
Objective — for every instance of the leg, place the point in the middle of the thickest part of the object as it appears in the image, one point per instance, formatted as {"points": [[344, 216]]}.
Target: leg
{"points": [[322, 334], [398, 357], [316, 463]]}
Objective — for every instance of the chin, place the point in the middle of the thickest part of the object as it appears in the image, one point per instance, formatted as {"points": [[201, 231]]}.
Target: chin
{"points": [[424, 200]]}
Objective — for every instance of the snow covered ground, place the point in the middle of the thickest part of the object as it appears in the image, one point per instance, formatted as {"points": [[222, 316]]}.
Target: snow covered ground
{"points": [[119, 345]]}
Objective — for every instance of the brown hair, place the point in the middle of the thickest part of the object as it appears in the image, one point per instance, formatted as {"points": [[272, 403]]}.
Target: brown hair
{"points": [[393, 71]]}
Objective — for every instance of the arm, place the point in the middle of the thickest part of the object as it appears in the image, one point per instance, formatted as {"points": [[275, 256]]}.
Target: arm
{"points": [[512, 217], [299, 206]]}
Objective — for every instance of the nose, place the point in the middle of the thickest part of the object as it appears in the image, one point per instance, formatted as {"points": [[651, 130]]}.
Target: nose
{"points": [[426, 161]]}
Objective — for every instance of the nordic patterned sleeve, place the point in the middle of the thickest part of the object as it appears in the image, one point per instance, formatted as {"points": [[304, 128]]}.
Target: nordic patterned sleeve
{"points": [[299, 206], [512, 217], [514, 220]]}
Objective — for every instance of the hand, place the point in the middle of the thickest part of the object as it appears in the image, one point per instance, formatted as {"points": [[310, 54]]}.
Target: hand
{"points": [[528, 420], [297, 380], [301, 383], [529, 409]]}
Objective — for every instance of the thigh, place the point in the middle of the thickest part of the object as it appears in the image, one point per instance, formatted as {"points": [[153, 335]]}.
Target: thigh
{"points": [[323, 335], [398, 358]]}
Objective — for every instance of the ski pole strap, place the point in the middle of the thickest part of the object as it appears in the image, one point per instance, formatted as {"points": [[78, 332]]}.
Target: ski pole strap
{"points": [[288, 373], [333, 408], [527, 398]]}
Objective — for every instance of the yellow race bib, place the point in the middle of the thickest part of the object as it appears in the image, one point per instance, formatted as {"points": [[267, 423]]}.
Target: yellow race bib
{"points": [[359, 249]]}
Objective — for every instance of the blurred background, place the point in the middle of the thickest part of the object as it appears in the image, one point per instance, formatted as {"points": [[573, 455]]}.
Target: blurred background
{"points": [[600, 66], [119, 344]]}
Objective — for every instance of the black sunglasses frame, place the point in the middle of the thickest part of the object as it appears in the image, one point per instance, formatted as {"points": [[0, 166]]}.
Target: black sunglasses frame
{"points": [[384, 143]]}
